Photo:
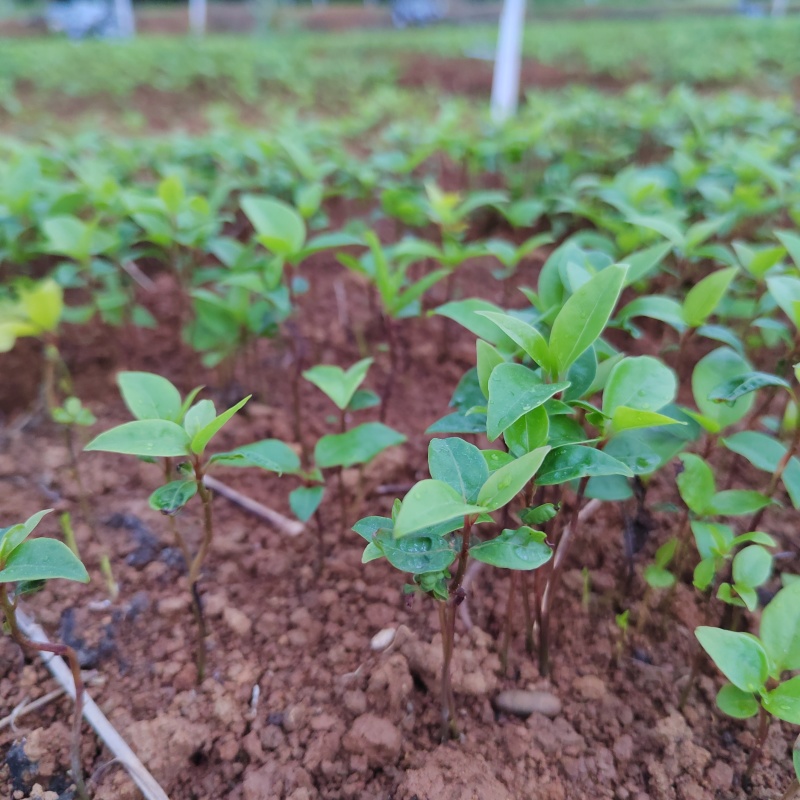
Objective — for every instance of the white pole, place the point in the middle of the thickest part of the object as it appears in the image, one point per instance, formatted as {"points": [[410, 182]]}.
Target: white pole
{"points": [[126, 21], [198, 11], [508, 61]]}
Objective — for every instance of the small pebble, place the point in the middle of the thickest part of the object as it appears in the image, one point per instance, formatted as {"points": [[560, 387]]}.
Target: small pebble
{"points": [[382, 639], [523, 703]]}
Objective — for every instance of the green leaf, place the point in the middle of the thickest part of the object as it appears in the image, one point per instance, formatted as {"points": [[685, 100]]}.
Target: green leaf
{"points": [[785, 290], [712, 538], [523, 548], [515, 390], [609, 488], [780, 629], [40, 560], [43, 304], [367, 527], [629, 419], [155, 438], [736, 502], [736, 703], [584, 316], [704, 574], [495, 459], [524, 335], [530, 431], [149, 396], [487, 359], [201, 439], [362, 399], [272, 455], [173, 496], [466, 313], [538, 515], [459, 422], [356, 446], [642, 383], [458, 464], [642, 263], [634, 452], [696, 483], [658, 577], [704, 297], [416, 554], [664, 309], [581, 376], [278, 226], [752, 566], [739, 656], [564, 464], [371, 553], [14, 536], [731, 390], [305, 500], [714, 369], [765, 453], [172, 194], [783, 702], [505, 483], [198, 416], [339, 385], [428, 503]]}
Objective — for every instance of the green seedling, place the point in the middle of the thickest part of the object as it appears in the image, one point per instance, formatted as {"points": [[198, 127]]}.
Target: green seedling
{"points": [[181, 430], [342, 388], [176, 223], [281, 231], [595, 449], [36, 311], [750, 562], [763, 451], [347, 448], [755, 666], [26, 564], [400, 297], [433, 529]]}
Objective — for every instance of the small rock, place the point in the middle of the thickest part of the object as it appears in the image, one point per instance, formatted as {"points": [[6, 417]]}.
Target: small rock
{"points": [[355, 701], [376, 738], [173, 606], [720, 776], [623, 748], [522, 703], [237, 621], [382, 639], [589, 687]]}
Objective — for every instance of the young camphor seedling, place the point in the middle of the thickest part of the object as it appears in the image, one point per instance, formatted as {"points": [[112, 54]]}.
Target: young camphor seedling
{"points": [[755, 666], [387, 269], [433, 528], [348, 448], [36, 312], [27, 563], [281, 231], [170, 428], [342, 388]]}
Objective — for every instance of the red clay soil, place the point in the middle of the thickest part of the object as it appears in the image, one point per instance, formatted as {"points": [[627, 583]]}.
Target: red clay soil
{"points": [[474, 77], [296, 704]]}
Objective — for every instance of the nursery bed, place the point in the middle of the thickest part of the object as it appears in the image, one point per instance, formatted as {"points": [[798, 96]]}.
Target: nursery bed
{"points": [[296, 704]]}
